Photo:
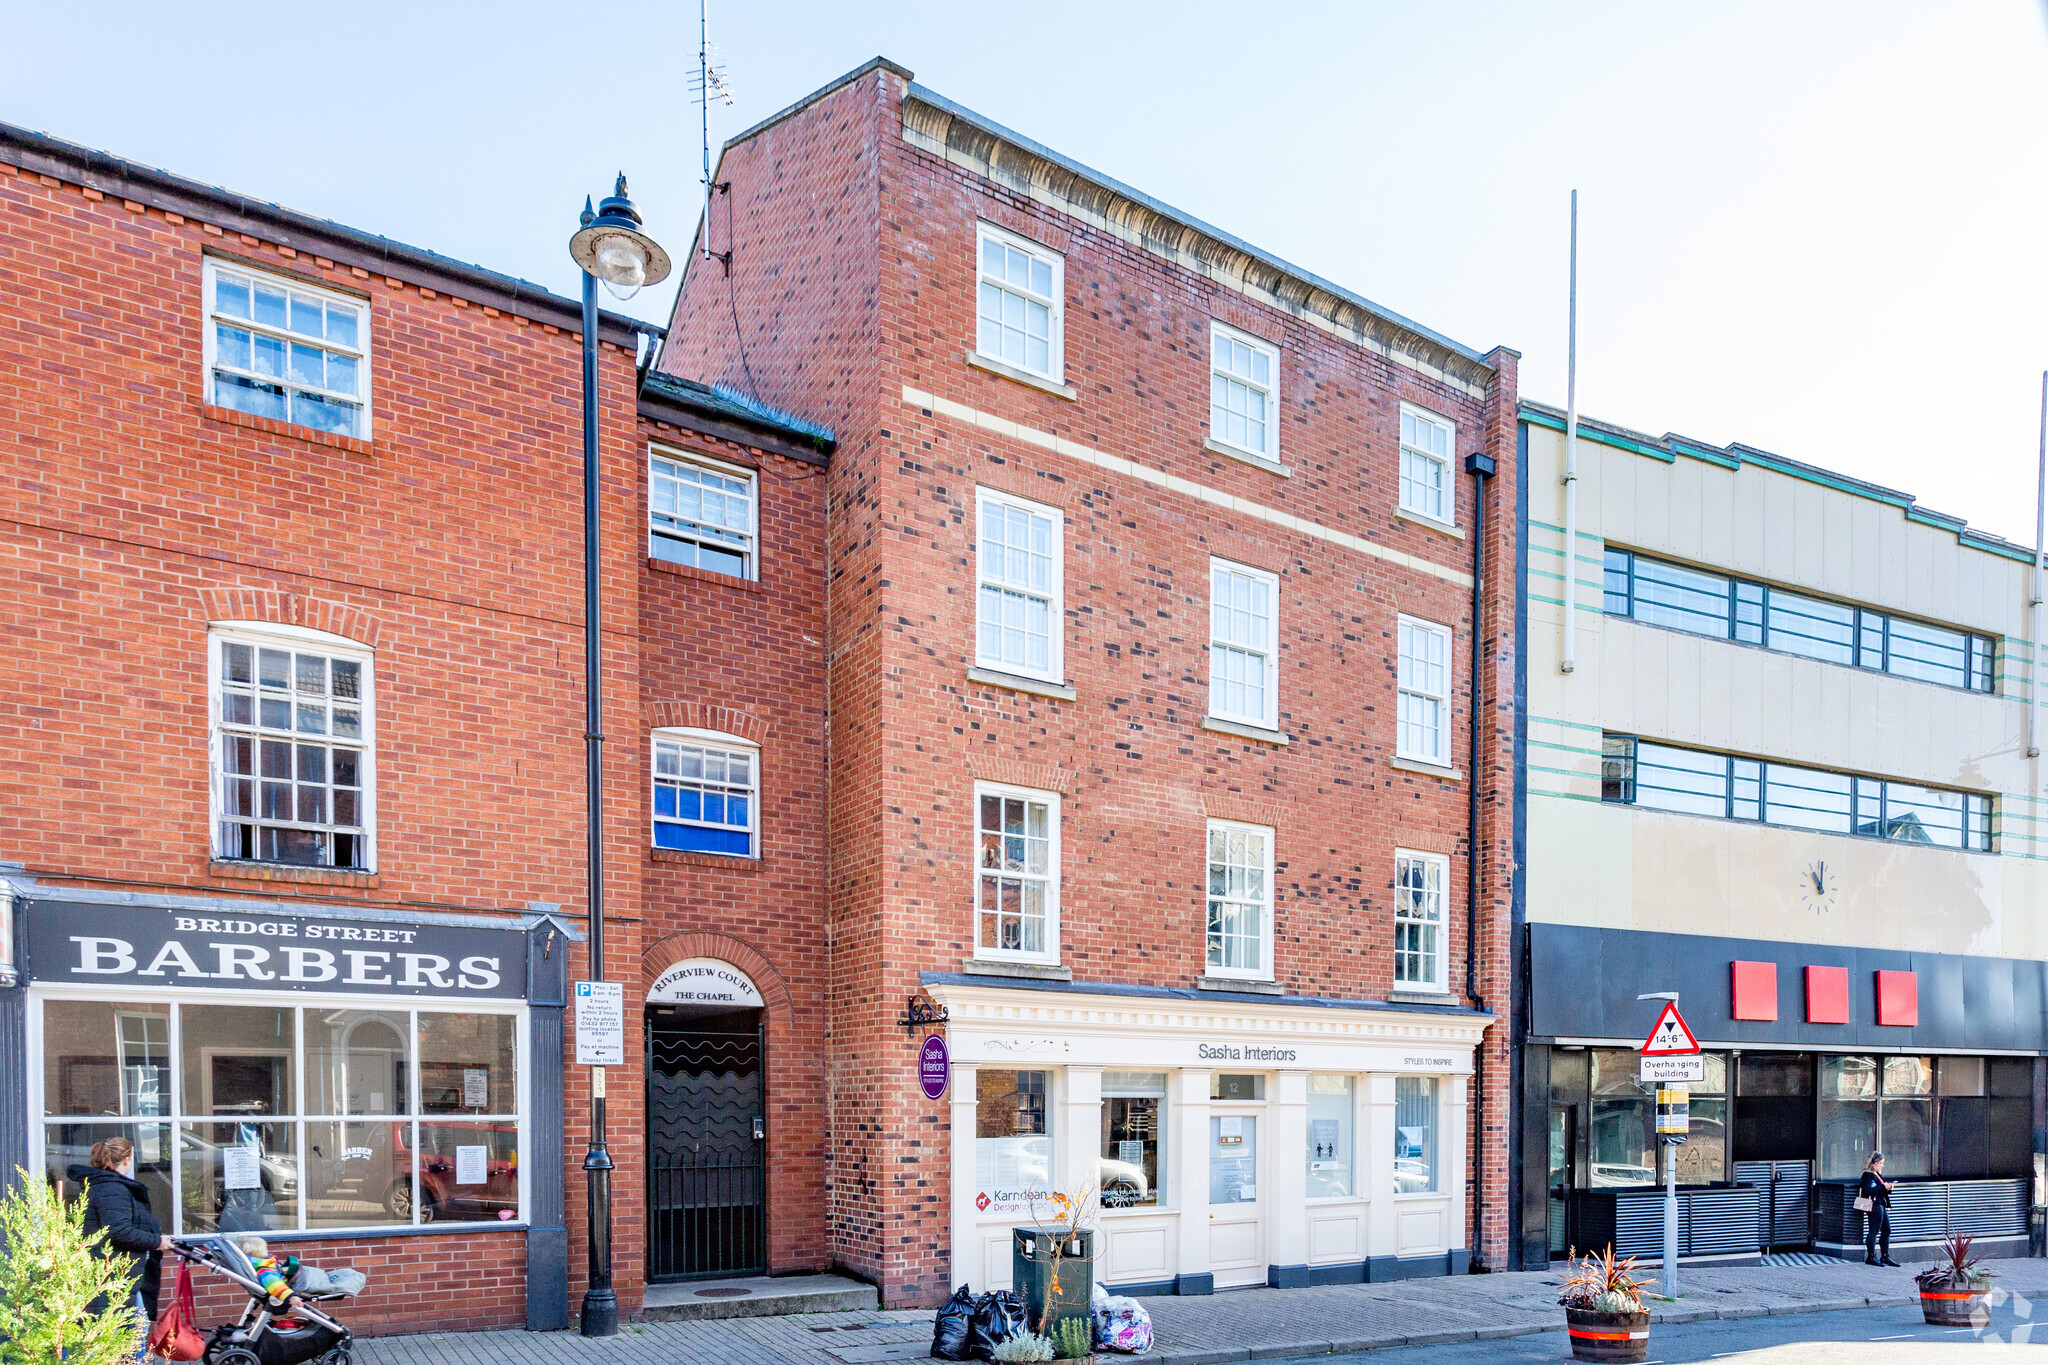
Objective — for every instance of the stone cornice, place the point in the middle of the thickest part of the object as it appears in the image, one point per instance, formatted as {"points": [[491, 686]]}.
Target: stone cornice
{"points": [[963, 138]]}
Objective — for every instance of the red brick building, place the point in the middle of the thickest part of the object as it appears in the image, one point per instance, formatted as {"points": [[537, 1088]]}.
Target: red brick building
{"points": [[292, 809], [1150, 674]]}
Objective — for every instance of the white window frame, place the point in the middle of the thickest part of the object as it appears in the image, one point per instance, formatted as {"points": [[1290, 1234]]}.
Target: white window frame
{"points": [[1440, 982], [1219, 649], [750, 553], [1264, 970], [179, 1113], [1449, 515], [265, 635], [718, 739], [1271, 390], [1056, 350], [211, 268], [1056, 611], [1407, 686], [989, 952]]}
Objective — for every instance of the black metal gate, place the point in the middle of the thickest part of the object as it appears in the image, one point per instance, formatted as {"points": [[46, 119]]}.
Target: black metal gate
{"points": [[706, 1158]]}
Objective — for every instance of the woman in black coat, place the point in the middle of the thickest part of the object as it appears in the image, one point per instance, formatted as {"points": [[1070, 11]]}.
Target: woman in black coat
{"points": [[1877, 1224], [117, 1201]]}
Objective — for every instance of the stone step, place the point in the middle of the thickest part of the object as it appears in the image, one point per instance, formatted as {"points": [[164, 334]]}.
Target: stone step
{"points": [[756, 1296]]}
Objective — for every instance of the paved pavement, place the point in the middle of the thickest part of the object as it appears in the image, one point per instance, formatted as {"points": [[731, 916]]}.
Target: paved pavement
{"points": [[1239, 1325]]}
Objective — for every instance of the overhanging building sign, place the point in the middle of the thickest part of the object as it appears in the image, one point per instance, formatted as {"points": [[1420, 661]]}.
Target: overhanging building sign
{"points": [[114, 946]]}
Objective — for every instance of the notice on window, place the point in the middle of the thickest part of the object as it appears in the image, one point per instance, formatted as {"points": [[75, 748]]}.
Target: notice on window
{"points": [[1230, 1132], [470, 1165], [1131, 1152], [600, 1023], [476, 1087], [240, 1169], [1322, 1135]]}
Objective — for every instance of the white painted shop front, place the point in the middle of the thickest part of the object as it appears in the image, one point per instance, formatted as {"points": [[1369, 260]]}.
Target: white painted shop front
{"points": [[1237, 1139]]}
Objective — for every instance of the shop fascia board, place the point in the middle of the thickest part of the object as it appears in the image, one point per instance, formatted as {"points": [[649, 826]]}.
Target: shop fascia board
{"points": [[1003, 1026], [27, 889]]}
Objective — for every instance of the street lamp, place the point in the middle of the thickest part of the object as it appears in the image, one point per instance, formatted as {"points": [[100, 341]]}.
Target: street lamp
{"points": [[610, 247]]}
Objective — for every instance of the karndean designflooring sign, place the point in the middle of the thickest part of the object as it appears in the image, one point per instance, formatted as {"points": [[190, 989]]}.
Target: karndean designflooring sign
{"points": [[125, 945]]}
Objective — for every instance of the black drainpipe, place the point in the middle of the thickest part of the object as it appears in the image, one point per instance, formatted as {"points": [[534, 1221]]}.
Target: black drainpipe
{"points": [[1480, 467]]}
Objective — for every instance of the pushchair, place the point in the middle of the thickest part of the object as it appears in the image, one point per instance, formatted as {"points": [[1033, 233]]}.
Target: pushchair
{"points": [[267, 1334]]}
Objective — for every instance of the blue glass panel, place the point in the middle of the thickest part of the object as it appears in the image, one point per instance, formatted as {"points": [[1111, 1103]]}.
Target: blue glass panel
{"points": [[665, 801], [700, 839]]}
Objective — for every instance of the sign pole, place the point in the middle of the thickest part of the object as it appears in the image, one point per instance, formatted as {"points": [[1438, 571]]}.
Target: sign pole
{"points": [[1669, 1055], [1670, 1220]]}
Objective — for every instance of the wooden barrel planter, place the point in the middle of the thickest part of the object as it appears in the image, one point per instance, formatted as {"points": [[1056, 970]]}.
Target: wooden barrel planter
{"points": [[1608, 1336], [1956, 1307]]}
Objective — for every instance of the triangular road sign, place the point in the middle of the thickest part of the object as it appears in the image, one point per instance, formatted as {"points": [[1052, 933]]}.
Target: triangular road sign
{"points": [[1670, 1037]]}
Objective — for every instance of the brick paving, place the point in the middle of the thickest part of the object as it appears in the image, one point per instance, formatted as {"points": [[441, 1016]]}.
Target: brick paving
{"points": [[1240, 1325]]}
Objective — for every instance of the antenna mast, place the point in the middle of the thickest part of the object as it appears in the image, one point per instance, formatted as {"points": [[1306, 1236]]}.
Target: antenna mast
{"points": [[711, 81]]}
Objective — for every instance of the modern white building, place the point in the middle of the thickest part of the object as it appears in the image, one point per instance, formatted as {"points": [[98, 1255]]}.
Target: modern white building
{"points": [[1779, 762]]}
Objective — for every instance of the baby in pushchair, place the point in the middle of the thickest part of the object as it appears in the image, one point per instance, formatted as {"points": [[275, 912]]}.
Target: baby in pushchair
{"points": [[281, 1324]]}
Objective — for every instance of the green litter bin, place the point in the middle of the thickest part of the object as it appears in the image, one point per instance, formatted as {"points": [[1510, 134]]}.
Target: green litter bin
{"points": [[1031, 1271]]}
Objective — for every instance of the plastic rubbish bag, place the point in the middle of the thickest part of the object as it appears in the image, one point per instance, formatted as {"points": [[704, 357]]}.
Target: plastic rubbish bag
{"points": [[1121, 1323], [950, 1330], [998, 1316]]}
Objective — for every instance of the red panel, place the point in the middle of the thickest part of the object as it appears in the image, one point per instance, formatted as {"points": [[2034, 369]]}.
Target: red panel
{"points": [[1898, 998], [1827, 995], [1755, 990]]}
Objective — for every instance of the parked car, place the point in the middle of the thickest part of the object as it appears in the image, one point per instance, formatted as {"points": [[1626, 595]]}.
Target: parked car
{"points": [[440, 1195]]}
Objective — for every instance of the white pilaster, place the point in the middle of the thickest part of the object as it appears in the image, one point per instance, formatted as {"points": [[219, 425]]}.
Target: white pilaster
{"points": [[966, 1245], [1189, 1155], [1376, 1163], [1451, 1112], [1080, 1134], [1286, 1192]]}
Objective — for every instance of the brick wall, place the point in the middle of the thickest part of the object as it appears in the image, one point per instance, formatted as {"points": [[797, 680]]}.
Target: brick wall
{"points": [[132, 514], [814, 200]]}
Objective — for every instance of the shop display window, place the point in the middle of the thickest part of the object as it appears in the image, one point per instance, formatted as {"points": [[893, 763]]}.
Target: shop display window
{"points": [[1703, 1157], [1332, 1115], [1233, 1159], [289, 1117], [1414, 1134], [1774, 1106], [1012, 1148], [1622, 1151], [1133, 1110], [1905, 1116]]}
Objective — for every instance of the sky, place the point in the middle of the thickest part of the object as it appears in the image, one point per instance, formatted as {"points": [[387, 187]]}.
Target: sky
{"points": [[1812, 228]]}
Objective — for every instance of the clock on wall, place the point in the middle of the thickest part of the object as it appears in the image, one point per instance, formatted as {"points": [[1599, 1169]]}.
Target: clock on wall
{"points": [[1820, 887]]}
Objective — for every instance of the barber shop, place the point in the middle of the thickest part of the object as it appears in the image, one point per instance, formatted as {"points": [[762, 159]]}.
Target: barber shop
{"points": [[1813, 1059], [301, 1071]]}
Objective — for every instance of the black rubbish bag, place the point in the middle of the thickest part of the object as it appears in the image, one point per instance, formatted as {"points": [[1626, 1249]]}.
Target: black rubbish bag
{"points": [[950, 1331], [997, 1317]]}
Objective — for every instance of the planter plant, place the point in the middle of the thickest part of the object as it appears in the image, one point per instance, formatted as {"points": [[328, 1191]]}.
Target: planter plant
{"points": [[1603, 1309], [1957, 1291]]}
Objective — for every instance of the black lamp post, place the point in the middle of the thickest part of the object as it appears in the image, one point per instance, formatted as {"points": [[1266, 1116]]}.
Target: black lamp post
{"points": [[610, 247]]}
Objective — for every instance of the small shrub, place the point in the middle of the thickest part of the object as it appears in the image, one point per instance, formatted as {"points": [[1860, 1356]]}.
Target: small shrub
{"points": [[1025, 1346], [1601, 1284], [1959, 1268], [1074, 1337], [50, 1275]]}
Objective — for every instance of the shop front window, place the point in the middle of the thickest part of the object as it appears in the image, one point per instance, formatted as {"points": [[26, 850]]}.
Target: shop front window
{"points": [[1127, 1173], [1622, 1149], [1703, 1157], [1848, 1116], [1414, 1134], [1905, 1116], [1012, 1149], [1774, 1109], [1331, 1115], [237, 1152]]}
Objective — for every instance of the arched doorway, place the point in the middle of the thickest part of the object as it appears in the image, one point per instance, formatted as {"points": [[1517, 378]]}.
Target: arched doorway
{"points": [[707, 1185]]}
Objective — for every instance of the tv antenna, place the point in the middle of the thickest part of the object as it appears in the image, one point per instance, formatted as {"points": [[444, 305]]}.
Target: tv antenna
{"points": [[710, 83]]}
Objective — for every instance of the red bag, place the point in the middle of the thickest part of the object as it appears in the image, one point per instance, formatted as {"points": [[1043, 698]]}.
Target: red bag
{"points": [[176, 1334]]}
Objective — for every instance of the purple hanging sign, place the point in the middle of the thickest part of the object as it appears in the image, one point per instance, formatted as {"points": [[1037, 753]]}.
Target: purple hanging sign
{"points": [[934, 1067]]}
